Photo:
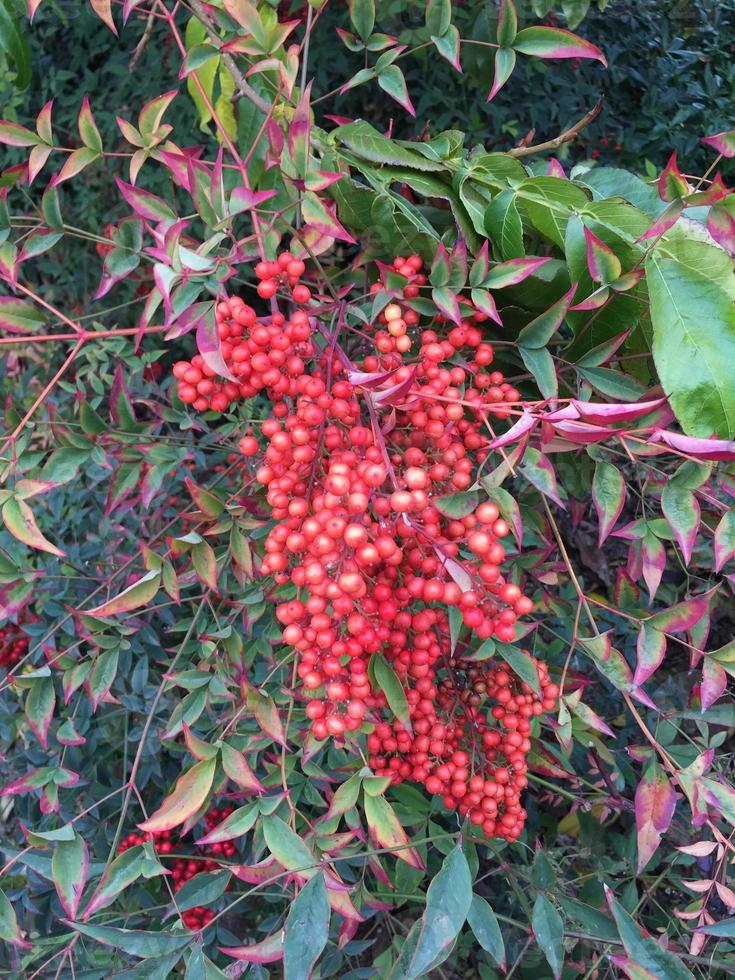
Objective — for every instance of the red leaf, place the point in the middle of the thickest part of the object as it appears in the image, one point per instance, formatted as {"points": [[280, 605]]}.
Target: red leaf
{"points": [[724, 142], [655, 800], [671, 183], [722, 450], [651, 648]]}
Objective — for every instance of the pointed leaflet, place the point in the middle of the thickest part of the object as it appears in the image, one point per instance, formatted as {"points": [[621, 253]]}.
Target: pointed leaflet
{"points": [[387, 831], [655, 800], [306, 930], [671, 183], [88, 128], [644, 950], [653, 557], [650, 650], [603, 264], [725, 540], [287, 847], [548, 931], [512, 272], [39, 707], [724, 142], [190, 792], [268, 950], [720, 224], [236, 767], [681, 510], [538, 470], [136, 942], [238, 823], [554, 42], [683, 616], [393, 83], [388, 682], [9, 930], [266, 714], [448, 901], [138, 594], [484, 925], [505, 62], [718, 450], [539, 332], [123, 871], [299, 130], [608, 496], [714, 682], [19, 520]]}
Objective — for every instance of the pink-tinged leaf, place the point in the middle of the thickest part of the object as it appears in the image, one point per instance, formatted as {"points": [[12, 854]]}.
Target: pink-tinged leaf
{"points": [[75, 163], [138, 594], [724, 142], [720, 224], [237, 768], [257, 874], [683, 616], [18, 518], [30, 781], [555, 169], [9, 928], [33, 6], [505, 62], [655, 801], [594, 301], [631, 969], [320, 180], [538, 470], [397, 392], [512, 272], [457, 571], [701, 849], [19, 315], [525, 424], [267, 716], [664, 221], [609, 661], [122, 872], [386, 830], [299, 130], [268, 950], [446, 302], [144, 203], [448, 46], [603, 264], [150, 116], [603, 414], [88, 131], [714, 682], [583, 432], [653, 557], [719, 450], [507, 23], [13, 134], [209, 346], [440, 268], [481, 265], [628, 280], [69, 871], [191, 790], [103, 9], [39, 708], [66, 734], [591, 719], [244, 199], [371, 380], [725, 540], [650, 649], [36, 160], [608, 495], [671, 183], [393, 83], [681, 509], [484, 302], [554, 42], [322, 216], [715, 192]]}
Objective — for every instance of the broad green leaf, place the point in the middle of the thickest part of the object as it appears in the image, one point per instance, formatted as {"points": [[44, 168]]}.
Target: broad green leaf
{"points": [[522, 664], [541, 365], [203, 889], [138, 594], [136, 942], [388, 682], [504, 227], [367, 142], [484, 925], [548, 930], [9, 930], [644, 950], [124, 870], [693, 344], [306, 930], [287, 847], [69, 869], [238, 823]]}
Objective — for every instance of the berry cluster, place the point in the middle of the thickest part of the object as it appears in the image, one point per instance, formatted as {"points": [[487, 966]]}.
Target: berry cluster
{"points": [[13, 645], [183, 867], [365, 452]]}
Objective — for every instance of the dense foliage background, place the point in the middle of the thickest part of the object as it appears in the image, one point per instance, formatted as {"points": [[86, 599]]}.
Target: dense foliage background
{"points": [[624, 865]]}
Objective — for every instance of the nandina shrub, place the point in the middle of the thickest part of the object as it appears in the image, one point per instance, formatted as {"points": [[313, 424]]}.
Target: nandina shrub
{"points": [[366, 569]]}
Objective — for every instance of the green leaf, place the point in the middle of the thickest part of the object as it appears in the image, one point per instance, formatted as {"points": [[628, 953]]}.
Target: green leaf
{"points": [[9, 930], [541, 365], [69, 870], [548, 930], [39, 708], [457, 504], [19, 520], [539, 331], [203, 889], [386, 829], [484, 925], [190, 792], [693, 344], [438, 16], [136, 942], [388, 682], [15, 46], [448, 901], [507, 23], [287, 847], [367, 142], [306, 930], [645, 951], [504, 227], [362, 15], [124, 870], [522, 663], [238, 823]]}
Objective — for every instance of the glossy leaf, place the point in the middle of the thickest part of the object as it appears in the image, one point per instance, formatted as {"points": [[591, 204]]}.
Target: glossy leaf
{"points": [[602, 263], [548, 931], [655, 800], [387, 680], [136, 942], [238, 823], [9, 930], [138, 594], [539, 331], [554, 42], [486, 929], [122, 872], [608, 496], [725, 540]]}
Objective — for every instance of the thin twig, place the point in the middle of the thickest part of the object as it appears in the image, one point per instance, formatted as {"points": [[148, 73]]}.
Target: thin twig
{"points": [[565, 137]]}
